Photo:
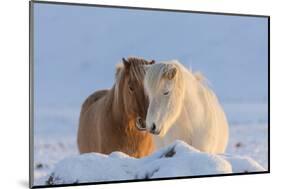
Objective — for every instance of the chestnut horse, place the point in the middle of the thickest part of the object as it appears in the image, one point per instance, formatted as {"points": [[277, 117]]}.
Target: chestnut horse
{"points": [[109, 118]]}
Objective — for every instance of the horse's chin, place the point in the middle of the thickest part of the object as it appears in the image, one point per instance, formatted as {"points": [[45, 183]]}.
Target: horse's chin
{"points": [[162, 133]]}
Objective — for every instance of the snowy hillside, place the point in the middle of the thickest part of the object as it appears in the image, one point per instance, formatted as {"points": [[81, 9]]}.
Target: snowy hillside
{"points": [[176, 160]]}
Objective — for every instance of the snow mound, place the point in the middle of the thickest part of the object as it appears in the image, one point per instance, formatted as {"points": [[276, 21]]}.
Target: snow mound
{"points": [[176, 160]]}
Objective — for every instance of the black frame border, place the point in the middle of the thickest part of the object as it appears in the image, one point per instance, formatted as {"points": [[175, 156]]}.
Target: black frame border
{"points": [[31, 92]]}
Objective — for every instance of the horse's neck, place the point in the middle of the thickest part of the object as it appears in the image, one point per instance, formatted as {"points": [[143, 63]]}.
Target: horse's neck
{"points": [[194, 109], [117, 108]]}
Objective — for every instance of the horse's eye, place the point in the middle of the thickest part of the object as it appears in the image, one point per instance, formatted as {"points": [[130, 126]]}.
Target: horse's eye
{"points": [[166, 93], [131, 88]]}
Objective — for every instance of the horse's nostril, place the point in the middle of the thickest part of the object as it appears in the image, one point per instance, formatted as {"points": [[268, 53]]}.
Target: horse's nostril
{"points": [[153, 128]]}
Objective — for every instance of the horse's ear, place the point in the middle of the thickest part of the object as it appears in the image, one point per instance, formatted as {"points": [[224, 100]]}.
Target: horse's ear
{"points": [[170, 73], [126, 63]]}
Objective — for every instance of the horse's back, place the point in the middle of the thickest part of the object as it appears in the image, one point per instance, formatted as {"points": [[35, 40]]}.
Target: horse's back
{"points": [[92, 99], [88, 127]]}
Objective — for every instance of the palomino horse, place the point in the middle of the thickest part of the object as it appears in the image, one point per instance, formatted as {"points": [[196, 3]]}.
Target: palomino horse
{"points": [[109, 118], [183, 107]]}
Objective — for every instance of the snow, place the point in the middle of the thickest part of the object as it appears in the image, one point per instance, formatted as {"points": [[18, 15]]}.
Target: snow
{"points": [[249, 140], [176, 160]]}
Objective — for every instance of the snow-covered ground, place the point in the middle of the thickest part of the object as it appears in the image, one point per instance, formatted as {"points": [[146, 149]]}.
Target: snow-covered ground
{"points": [[175, 160], [55, 136], [248, 130]]}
